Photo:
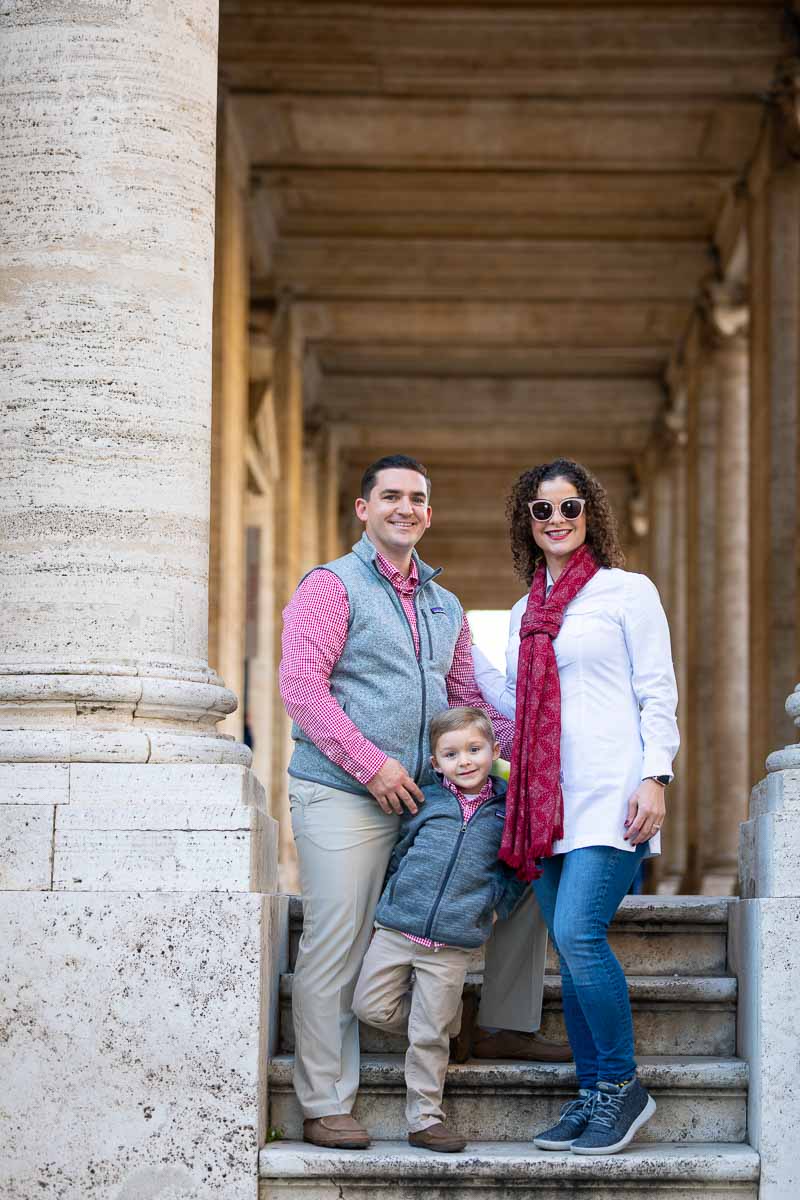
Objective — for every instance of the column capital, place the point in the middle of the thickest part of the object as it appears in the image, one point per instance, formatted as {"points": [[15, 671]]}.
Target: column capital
{"points": [[725, 309], [673, 427]]}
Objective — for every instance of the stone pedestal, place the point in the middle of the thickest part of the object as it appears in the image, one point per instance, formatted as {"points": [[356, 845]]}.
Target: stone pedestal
{"points": [[135, 1043], [765, 952]]}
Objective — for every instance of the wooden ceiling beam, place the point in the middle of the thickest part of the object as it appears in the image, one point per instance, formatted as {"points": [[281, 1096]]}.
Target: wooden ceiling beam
{"points": [[672, 134], [551, 49], [534, 269], [540, 324]]}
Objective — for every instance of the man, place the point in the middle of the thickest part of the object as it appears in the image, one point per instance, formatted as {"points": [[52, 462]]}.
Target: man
{"points": [[373, 647]]}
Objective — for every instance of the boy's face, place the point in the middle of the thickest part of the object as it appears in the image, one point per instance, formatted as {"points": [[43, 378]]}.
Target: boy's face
{"points": [[465, 757]]}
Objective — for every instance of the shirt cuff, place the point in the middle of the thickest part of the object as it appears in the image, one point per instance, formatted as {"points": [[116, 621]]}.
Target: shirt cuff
{"points": [[367, 765], [655, 762]]}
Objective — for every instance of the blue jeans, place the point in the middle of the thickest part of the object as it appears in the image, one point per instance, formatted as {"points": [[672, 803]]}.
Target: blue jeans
{"points": [[578, 893]]}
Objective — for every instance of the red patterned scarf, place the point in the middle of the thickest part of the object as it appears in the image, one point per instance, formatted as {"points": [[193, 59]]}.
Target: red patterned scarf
{"points": [[534, 805]]}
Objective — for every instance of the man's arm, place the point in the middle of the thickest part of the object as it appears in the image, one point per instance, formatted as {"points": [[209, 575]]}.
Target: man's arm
{"points": [[462, 688], [314, 633]]}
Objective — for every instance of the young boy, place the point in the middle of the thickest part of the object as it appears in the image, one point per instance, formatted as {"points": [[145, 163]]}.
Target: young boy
{"points": [[443, 883]]}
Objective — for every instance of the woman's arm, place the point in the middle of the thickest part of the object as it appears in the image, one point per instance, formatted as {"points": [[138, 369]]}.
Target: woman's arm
{"points": [[493, 684], [652, 675], [500, 689]]}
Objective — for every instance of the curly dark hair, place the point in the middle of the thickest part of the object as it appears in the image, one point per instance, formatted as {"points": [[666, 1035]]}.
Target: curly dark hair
{"points": [[601, 525]]}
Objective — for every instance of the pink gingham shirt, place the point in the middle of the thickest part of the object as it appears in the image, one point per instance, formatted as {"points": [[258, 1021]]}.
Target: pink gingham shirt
{"points": [[469, 806], [314, 634]]}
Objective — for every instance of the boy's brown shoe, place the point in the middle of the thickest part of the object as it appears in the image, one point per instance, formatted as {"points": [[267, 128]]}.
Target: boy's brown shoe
{"points": [[337, 1132], [509, 1043], [436, 1137]]}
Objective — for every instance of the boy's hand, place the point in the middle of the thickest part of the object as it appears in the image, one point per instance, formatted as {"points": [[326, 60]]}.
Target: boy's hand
{"points": [[646, 812], [394, 788]]}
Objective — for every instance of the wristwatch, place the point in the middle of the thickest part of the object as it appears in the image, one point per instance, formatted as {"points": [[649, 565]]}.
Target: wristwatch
{"points": [[664, 780]]}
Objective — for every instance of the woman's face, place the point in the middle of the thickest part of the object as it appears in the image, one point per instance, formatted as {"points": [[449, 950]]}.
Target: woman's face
{"points": [[558, 538]]}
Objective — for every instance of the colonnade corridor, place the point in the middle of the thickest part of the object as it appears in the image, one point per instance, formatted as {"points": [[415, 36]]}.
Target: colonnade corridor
{"points": [[246, 248], [488, 240]]}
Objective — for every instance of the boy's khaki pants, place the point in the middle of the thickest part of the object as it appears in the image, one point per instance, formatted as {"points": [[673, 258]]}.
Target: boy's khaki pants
{"points": [[344, 842], [430, 1011]]}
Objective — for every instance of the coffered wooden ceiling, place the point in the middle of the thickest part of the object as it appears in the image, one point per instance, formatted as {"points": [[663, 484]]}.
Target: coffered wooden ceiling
{"points": [[494, 218]]}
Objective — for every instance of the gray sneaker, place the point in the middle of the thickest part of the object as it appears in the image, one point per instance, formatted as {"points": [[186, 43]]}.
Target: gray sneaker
{"points": [[572, 1122], [619, 1110]]}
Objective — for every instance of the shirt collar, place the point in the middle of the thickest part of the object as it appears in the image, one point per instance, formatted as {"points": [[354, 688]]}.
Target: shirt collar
{"points": [[484, 794], [399, 582]]}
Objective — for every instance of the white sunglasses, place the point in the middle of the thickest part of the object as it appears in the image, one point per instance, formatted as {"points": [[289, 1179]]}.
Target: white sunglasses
{"points": [[570, 509]]}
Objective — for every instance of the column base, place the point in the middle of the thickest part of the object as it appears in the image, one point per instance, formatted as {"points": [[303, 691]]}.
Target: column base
{"points": [[102, 714]]}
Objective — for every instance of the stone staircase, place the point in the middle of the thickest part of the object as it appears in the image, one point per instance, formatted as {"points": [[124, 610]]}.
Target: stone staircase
{"points": [[674, 950]]}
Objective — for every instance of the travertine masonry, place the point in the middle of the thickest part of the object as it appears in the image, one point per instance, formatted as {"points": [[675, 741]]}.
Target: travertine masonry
{"points": [[133, 1044]]}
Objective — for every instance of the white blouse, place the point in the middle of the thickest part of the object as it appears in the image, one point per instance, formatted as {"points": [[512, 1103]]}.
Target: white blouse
{"points": [[618, 701]]}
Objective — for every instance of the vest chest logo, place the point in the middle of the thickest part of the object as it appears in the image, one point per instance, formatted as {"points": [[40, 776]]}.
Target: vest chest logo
{"points": [[438, 610]]}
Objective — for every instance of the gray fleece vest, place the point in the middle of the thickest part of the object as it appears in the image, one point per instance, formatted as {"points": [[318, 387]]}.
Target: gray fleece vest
{"points": [[388, 692]]}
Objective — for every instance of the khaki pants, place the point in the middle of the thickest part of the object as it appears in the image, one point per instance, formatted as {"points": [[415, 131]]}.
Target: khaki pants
{"points": [[344, 842], [430, 1011], [343, 846]]}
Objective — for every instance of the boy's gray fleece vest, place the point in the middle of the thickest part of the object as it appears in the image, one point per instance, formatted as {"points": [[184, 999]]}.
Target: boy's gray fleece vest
{"points": [[387, 691]]}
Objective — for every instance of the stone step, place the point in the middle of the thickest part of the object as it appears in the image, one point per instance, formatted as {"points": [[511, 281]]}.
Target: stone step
{"points": [[493, 1170], [699, 1099], [673, 1014], [651, 935]]}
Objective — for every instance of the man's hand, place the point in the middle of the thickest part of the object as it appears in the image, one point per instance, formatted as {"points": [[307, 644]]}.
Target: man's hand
{"points": [[394, 788], [646, 812]]}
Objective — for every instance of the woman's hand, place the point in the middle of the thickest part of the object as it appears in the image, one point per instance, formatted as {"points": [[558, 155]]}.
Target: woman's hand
{"points": [[646, 812]]}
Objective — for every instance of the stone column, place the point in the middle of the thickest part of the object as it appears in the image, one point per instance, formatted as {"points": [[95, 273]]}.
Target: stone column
{"points": [[289, 518], [230, 415], [727, 316], [104, 495], [668, 561], [135, 841], [701, 521], [774, 251]]}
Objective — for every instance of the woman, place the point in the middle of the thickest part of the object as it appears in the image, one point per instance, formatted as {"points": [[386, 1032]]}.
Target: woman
{"points": [[590, 680]]}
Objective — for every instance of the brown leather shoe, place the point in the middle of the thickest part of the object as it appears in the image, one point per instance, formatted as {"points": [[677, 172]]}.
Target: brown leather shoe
{"points": [[436, 1137], [461, 1044], [340, 1131], [509, 1043]]}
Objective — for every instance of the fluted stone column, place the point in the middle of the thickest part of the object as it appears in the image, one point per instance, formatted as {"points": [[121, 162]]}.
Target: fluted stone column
{"points": [[135, 844], [727, 315]]}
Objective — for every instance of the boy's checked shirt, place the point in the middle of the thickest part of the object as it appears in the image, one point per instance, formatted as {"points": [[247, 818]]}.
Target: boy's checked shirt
{"points": [[314, 634]]}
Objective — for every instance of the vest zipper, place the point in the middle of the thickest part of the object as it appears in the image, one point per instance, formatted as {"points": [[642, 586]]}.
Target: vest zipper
{"points": [[418, 655], [423, 722], [428, 631]]}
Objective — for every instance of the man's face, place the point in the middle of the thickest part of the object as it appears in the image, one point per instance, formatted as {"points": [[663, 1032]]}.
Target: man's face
{"points": [[397, 512]]}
